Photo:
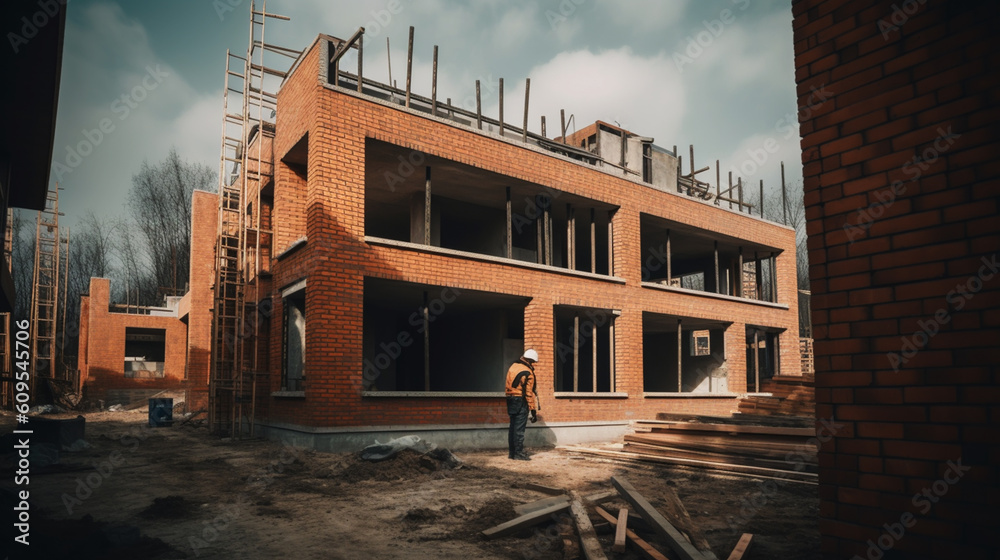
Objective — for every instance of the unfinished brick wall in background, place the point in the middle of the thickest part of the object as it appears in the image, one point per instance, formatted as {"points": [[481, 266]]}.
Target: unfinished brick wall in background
{"points": [[901, 190]]}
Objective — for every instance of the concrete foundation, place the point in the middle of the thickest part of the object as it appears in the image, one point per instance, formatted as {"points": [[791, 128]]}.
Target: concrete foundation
{"points": [[467, 436]]}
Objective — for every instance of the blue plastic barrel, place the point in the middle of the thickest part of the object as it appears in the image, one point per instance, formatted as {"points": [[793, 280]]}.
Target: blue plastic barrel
{"points": [[161, 412]]}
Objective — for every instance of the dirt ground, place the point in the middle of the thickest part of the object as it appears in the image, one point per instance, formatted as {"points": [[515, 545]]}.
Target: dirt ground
{"points": [[179, 492]]}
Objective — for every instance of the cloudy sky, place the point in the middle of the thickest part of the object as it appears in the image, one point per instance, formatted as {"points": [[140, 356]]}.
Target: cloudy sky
{"points": [[716, 74]]}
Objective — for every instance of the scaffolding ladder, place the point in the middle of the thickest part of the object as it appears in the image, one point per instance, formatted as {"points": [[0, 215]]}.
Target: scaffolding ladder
{"points": [[236, 344], [45, 291]]}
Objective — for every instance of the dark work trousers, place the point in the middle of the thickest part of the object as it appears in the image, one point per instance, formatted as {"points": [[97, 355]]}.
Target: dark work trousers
{"points": [[517, 409]]}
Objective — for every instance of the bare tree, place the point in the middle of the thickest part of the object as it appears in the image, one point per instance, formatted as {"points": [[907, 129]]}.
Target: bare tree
{"points": [[159, 205], [22, 261], [792, 214]]}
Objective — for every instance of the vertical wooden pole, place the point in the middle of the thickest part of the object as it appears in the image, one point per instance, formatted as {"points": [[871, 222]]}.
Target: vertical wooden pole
{"points": [[680, 348], [784, 197], [718, 283], [427, 345], [756, 362], [388, 58], [576, 353], [547, 217], [774, 278], [571, 221], [718, 183], [427, 207], [510, 232], [593, 242], [739, 189], [527, 90], [611, 352], [611, 244], [762, 199], [361, 59], [501, 106], [593, 359], [479, 108], [729, 193], [739, 273], [669, 269], [434, 83], [409, 66], [539, 247], [776, 352], [691, 146], [760, 276]]}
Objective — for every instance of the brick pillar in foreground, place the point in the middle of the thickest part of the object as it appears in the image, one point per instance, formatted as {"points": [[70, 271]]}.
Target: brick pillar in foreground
{"points": [[899, 123]]}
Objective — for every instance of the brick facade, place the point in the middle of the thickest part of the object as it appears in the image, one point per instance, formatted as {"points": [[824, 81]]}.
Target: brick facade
{"points": [[188, 342], [902, 189], [320, 194], [102, 350]]}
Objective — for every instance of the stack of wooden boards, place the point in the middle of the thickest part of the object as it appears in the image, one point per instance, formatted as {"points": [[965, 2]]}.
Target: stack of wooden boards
{"points": [[752, 445], [789, 395], [678, 532]]}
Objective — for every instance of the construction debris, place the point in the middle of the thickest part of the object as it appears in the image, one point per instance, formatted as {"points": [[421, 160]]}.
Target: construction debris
{"points": [[620, 529], [541, 504], [674, 526], [742, 547], [647, 549], [588, 537], [524, 521], [664, 528]]}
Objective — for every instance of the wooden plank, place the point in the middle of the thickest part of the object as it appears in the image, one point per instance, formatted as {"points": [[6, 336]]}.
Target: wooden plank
{"points": [[620, 529], [524, 521], [644, 547], [600, 497], [741, 547], [758, 471], [682, 520], [675, 539], [540, 504], [657, 426], [718, 457], [740, 419], [543, 489], [588, 537]]}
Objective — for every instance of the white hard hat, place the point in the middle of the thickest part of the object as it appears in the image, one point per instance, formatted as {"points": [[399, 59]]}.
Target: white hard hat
{"points": [[530, 354]]}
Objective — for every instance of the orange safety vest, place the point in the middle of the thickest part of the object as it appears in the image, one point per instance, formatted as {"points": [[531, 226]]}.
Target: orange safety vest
{"points": [[521, 383]]}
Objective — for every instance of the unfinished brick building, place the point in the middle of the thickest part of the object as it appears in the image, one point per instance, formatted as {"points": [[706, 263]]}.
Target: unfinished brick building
{"points": [[902, 192], [128, 353], [384, 256]]}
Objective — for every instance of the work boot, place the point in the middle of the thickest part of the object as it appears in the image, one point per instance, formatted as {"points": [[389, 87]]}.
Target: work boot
{"points": [[522, 456]]}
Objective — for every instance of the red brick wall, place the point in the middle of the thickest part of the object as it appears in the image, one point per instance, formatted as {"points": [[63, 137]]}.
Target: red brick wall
{"points": [[105, 347], [204, 220], [906, 364], [336, 259], [83, 342]]}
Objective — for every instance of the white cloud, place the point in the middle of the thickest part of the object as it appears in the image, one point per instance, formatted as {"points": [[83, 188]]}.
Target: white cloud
{"points": [[746, 52], [642, 93], [112, 76]]}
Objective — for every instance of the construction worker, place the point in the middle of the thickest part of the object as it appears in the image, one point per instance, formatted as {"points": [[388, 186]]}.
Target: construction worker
{"points": [[522, 401]]}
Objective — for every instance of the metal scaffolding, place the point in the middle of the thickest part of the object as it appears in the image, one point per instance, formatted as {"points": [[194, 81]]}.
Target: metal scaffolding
{"points": [[243, 237], [45, 292]]}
